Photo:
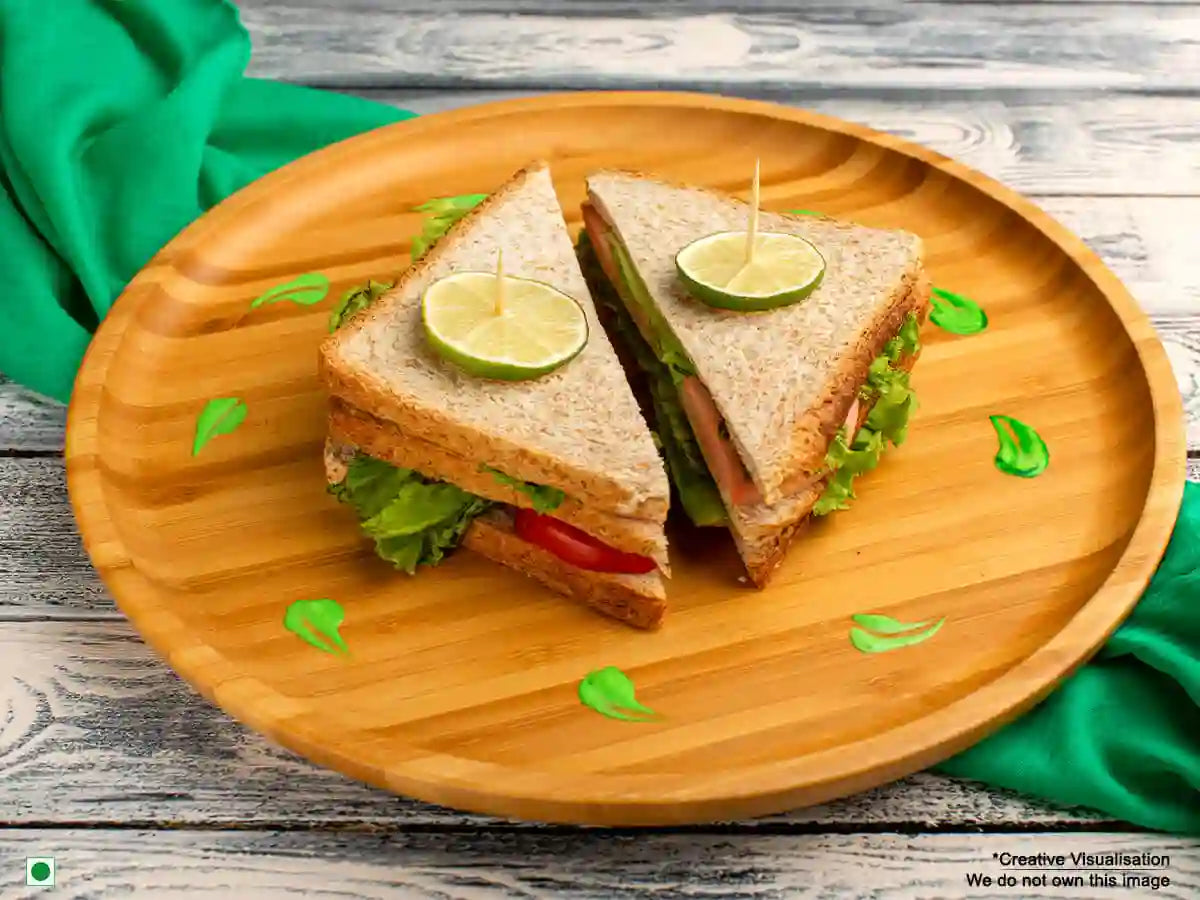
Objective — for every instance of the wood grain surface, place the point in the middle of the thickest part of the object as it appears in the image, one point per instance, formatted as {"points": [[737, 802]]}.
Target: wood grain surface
{"points": [[97, 708], [101, 731], [503, 734], [588, 866], [726, 47]]}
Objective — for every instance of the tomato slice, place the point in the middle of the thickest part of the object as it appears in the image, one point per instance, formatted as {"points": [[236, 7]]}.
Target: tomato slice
{"points": [[576, 547]]}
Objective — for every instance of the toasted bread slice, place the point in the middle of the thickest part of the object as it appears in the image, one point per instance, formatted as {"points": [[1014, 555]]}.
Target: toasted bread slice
{"points": [[386, 441], [577, 429], [783, 380], [763, 533], [637, 600]]}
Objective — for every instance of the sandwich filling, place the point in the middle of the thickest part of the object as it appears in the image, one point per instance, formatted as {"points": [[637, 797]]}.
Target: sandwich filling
{"points": [[701, 459], [415, 520]]}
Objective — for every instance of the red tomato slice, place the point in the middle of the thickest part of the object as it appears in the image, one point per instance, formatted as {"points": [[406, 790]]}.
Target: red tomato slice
{"points": [[576, 547]]}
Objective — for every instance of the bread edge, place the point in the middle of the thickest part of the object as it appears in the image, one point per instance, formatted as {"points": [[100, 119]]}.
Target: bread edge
{"points": [[607, 493], [387, 442]]}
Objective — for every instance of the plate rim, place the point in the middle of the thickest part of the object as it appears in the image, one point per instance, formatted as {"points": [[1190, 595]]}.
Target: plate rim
{"points": [[649, 800]]}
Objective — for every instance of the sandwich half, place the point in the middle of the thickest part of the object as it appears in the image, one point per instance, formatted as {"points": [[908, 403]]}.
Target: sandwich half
{"points": [[766, 418], [557, 477]]}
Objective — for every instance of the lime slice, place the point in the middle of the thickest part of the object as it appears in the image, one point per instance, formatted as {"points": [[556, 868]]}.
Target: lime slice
{"points": [[535, 329], [785, 269]]}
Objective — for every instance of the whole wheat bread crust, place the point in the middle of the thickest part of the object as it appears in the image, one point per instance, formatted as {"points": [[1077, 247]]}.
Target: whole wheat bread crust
{"points": [[386, 441], [636, 600], [630, 482], [807, 417], [764, 534]]}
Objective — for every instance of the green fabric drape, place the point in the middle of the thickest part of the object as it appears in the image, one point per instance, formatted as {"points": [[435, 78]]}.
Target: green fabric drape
{"points": [[122, 121]]}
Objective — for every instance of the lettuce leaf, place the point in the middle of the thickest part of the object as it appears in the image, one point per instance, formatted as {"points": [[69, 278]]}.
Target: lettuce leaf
{"points": [[545, 499], [847, 462], [887, 422], [663, 343], [444, 212], [355, 300], [675, 439], [414, 521]]}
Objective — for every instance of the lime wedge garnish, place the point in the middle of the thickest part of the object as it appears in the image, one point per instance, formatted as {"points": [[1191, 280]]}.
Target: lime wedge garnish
{"points": [[532, 330], [783, 269]]}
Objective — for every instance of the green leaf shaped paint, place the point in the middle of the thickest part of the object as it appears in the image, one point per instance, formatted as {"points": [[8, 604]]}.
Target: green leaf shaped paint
{"points": [[443, 213], [220, 416], [886, 624], [316, 622], [609, 692], [1023, 452], [355, 300], [304, 290], [804, 212], [865, 642], [956, 314]]}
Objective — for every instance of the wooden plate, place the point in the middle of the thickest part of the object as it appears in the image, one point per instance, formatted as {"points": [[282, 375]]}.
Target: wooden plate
{"points": [[461, 686]]}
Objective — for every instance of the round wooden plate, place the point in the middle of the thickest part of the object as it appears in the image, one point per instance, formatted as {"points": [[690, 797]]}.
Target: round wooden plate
{"points": [[461, 684]]}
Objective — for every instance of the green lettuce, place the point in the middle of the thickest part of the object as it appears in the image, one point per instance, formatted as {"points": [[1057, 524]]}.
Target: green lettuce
{"points": [[675, 439], [887, 386], [443, 213], [414, 521], [662, 341], [545, 499], [355, 300]]}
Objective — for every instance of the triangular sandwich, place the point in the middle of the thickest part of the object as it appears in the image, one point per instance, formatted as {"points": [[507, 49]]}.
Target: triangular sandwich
{"points": [[766, 417], [556, 476]]}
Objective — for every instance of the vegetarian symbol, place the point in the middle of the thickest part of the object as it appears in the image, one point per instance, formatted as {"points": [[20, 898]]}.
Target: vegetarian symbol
{"points": [[610, 692], [1023, 452], [220, 416], [956, 314], [322, 616], [304, 290], [901, 634]]}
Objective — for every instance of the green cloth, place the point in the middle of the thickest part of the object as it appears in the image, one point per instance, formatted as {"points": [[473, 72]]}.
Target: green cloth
{"points": [[124, 120], [1122, 735]]}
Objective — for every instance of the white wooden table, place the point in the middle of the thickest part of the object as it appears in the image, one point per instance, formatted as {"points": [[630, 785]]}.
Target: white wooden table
{"points": [[111, 765]]}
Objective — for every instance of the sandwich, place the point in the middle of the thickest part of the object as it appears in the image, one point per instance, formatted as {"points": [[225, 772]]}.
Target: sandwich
{"points": [[550, 471], [769, 402]]}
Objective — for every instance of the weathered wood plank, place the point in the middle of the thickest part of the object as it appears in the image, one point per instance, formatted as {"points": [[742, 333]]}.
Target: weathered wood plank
{"points": [[1085, 143], [589, 865], [1144, 240], [44, 569], [882, 46], [99, 730], [29, 422]]}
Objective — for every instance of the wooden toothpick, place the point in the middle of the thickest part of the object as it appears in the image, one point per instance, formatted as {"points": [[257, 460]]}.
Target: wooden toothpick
{"points": [[752, 229], [499, 282]]}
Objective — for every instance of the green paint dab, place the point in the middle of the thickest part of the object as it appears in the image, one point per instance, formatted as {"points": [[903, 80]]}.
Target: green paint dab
{"points": [[316, 622], [894, 633], [956, 314], [609, 692], [220, 416], [1022, 452], [304, 290], [355, 300]]}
